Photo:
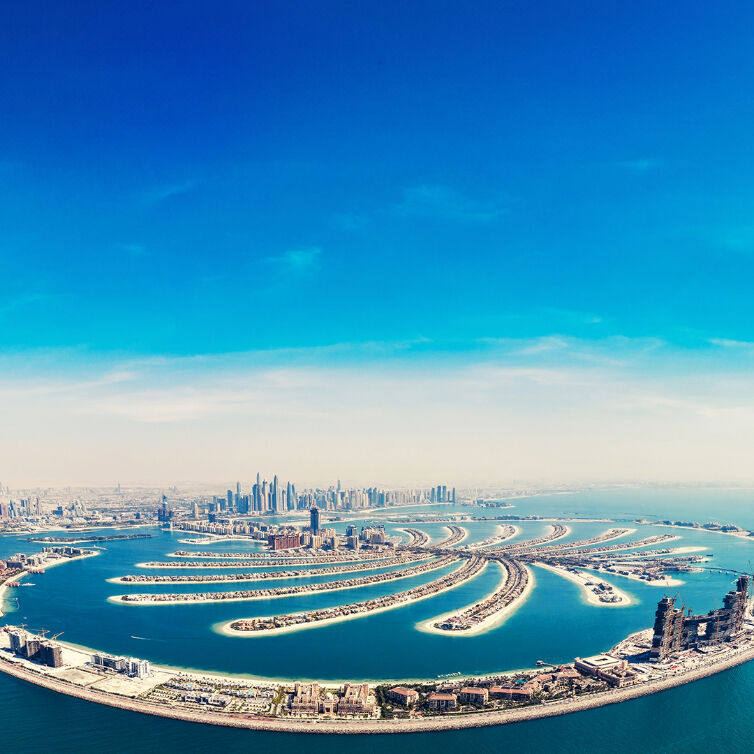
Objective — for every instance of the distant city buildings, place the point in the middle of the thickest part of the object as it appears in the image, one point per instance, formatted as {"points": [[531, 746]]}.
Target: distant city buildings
{"points": [[122, 505]]}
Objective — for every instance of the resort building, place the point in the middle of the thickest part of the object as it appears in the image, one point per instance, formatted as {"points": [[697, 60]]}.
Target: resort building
{"points": [[474, 695], [612, 670], [440, 701], [356, 700], [403, 696]]}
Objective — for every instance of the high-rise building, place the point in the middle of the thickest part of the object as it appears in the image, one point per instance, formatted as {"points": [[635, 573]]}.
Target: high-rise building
{"points": [[314, 519], [18, 642], [51, 654], [676, 631]]}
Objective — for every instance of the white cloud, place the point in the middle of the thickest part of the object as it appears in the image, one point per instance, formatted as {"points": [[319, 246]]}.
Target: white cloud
{"points": [[728, 343], [517, 411]]}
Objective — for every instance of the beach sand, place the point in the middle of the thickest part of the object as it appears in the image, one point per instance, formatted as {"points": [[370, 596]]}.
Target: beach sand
{"points": [[491, 621], [589, 596]]}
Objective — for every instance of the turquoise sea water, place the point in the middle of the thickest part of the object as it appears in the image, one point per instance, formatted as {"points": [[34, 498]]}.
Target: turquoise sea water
{"points": [[554, 624]]}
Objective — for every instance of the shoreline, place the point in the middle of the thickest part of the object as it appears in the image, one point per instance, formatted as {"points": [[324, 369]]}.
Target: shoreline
{"points": [[588, 594], [567, 546], [672, 551], [353, 727], [496, 541], [4, 585], [491, 621], [526, 544], [225, 629], [667, 581], [4, 588], [464, 536], [746, 534]]}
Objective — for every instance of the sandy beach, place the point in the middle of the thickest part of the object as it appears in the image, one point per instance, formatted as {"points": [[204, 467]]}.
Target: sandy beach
{"points": [[4, 588], [570, 545], [667, 581], [464, 537], [589, 596], [497, 540], [671, 551], [491, 621]]}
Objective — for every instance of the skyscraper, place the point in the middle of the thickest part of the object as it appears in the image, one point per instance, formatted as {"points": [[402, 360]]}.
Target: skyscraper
{"points": [[314, 519], [290, 497]]}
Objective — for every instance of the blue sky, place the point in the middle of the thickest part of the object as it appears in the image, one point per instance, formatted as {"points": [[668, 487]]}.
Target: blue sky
{"points": [[380, 184]]}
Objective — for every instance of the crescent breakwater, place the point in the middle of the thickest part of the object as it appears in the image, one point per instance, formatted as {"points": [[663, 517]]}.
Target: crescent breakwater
{"points": [[284, 591], [161, 694]]}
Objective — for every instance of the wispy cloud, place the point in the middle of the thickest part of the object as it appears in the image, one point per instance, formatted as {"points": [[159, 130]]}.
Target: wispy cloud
{"points": [[728, 343], [430, 200], [158, 194], [297, 261]]}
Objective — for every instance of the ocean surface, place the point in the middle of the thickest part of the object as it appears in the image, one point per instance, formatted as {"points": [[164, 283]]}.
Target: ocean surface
{"points": [[555, 625]]}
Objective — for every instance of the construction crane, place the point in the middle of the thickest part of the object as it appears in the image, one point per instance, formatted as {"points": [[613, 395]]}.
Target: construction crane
{"points": [[55, 636]]}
